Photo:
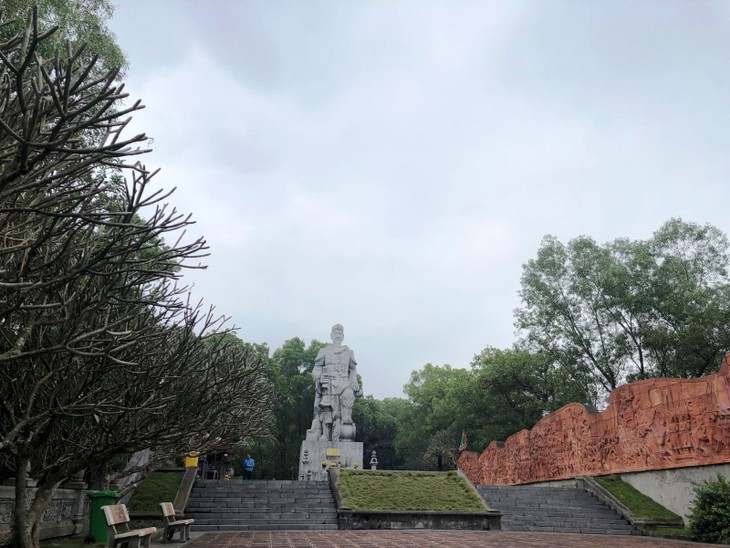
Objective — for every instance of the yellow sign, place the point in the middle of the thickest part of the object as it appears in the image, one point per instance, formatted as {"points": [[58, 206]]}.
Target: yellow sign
{"points": [[333, 452]]}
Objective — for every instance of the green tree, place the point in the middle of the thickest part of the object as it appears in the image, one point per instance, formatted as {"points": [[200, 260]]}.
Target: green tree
{"points": [[290, 370], [441, 451], [409, 445], [689, 319], [709, 519], [517, 388], [79, 23], [627, 309], [441, 398], [438, 393], [376, 429]]}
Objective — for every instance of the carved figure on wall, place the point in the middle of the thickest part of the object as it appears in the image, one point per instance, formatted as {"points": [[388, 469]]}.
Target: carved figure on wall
{"points": [[336, 386], [648, 425]]}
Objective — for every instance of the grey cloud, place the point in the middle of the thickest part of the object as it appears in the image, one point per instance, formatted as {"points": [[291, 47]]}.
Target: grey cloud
{"points": [[391, 166]]}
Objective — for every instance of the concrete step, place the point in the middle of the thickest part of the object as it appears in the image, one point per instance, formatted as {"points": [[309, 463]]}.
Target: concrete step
{"points": [[259, 505], [553, 509], [259, 484], [255, 501]]}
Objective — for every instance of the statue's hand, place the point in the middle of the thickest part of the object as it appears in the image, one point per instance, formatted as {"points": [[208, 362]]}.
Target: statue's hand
{"points": [[357, 390]]}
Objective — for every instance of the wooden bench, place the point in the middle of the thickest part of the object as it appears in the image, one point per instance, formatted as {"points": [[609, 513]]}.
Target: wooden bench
{"points": [[117, 519], [171, 524]]}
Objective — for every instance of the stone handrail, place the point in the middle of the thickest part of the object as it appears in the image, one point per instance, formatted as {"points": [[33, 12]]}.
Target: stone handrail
{"points": [[186, 486]]}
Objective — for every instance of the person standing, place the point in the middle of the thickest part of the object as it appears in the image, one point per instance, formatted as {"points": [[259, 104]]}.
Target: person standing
{"points": [[249, 465]]}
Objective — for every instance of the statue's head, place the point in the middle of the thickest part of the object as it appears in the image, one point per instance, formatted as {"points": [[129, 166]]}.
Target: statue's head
{"points": [[338, 333]]}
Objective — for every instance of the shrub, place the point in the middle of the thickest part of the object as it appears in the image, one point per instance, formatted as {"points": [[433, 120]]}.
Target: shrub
{"points": [[709, 519]]}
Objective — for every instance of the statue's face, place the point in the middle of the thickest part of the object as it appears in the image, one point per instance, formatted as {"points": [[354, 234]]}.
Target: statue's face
{"points": [[337, 335]]}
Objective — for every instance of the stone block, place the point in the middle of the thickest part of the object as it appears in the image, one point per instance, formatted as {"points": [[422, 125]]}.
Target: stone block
{"points": [[313, 453]]}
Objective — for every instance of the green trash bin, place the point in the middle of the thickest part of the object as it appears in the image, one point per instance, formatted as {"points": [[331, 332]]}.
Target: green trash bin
{"points": [[97, 523]]}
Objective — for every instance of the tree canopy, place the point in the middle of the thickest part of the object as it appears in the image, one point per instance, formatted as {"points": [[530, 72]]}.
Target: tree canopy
{"points": [[78, 23], [629, 310]]}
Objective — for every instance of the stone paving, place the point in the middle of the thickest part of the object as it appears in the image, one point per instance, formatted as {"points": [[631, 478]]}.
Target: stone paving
{"points": [[428, 539]]}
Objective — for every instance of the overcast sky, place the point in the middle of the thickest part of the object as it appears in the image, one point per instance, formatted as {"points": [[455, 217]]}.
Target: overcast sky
{"points": [[391, 165]]}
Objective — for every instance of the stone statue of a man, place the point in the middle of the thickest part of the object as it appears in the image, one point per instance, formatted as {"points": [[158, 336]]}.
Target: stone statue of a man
{"points": [[336, 385]]}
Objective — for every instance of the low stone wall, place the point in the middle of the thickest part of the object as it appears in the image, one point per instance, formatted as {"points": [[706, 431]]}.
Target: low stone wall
{"points": [[391, 519], [67, 514], [674, 488]]}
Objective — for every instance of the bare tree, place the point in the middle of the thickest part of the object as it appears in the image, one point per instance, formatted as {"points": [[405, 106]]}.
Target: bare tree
{"points": [[101, 352]]}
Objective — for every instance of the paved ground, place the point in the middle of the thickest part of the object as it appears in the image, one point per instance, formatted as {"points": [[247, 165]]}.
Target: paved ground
{"points": [[426, 539]]}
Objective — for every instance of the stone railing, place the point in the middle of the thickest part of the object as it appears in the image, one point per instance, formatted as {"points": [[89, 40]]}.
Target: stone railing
{"points": [[67, 514]]}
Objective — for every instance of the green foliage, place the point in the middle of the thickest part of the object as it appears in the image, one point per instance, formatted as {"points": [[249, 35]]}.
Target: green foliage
{"points": [[440, 398], [515, 388], [229, 340], [709, 519], [155, 488], [628, 310], [79, 22], [445, 491], [290, 369], [376, 429], [504, 392], [441, 451], [409, 436], [639, 504]]}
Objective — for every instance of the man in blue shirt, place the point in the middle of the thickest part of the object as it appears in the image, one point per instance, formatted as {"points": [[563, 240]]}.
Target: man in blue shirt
{"points": [[249, 464]]}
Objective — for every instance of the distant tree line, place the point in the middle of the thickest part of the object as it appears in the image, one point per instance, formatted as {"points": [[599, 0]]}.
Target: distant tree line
{"points": [[593, 316]]}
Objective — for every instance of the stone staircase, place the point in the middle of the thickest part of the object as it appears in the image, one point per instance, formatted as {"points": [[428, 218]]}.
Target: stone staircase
{"points": [[554, 510], [261, 505]]}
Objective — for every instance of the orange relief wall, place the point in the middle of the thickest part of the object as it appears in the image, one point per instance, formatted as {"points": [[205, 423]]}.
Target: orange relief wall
{"points": [[648, 425]]}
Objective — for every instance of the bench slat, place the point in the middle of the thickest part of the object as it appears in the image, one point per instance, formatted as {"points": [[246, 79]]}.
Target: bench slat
{"points": [[115, 514]]}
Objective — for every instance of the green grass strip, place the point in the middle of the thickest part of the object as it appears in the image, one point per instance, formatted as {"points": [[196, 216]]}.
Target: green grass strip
{"points": [[155, 488], [639, 504], [390, 490]]}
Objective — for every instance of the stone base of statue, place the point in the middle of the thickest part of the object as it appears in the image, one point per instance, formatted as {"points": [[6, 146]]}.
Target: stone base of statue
{"points": [[315, 457]]}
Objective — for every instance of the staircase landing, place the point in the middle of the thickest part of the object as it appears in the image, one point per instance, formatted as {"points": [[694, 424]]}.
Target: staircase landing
{"points": [[554, 510], [262, 505]]}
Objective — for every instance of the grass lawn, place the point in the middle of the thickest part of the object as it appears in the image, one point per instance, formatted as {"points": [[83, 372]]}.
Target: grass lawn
{"points": [[639, 504], [155, 488], [391, 490]]}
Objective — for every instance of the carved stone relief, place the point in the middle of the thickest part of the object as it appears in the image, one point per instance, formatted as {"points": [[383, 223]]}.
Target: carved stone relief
{"points": [[6, 511], [648, 425]]}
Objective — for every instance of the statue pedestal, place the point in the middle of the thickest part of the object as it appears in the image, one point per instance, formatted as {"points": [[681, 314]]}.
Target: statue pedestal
{"points": [[313, 453]]}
